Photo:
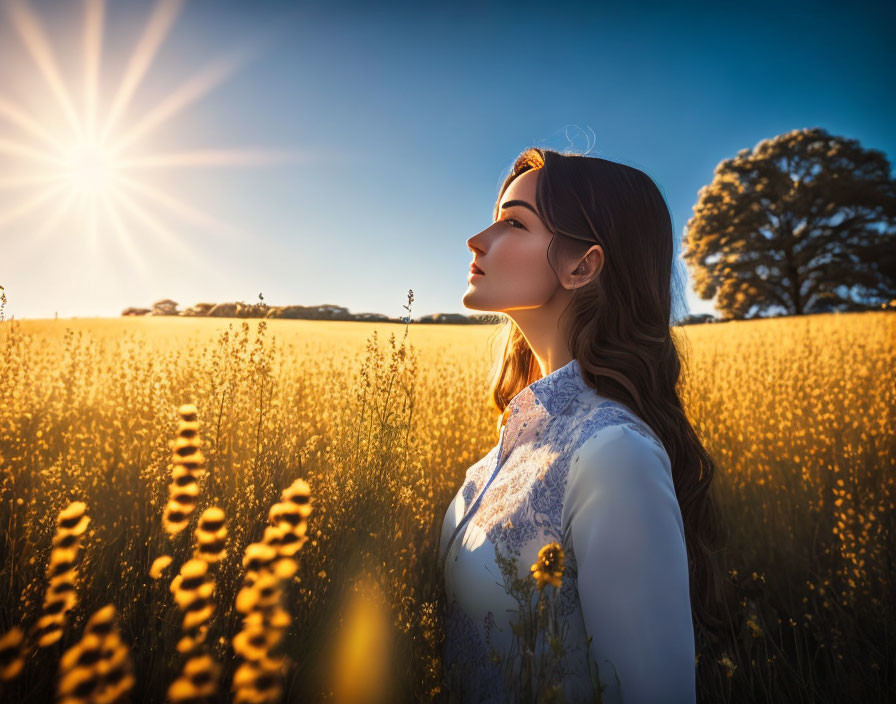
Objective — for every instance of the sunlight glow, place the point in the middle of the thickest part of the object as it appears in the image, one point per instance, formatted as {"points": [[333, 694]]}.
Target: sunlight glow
{"points": [[195, 88], [89, 169], [38, 46], [218, 157], [160, 22], [28, 123], [29, 205], [93, 44], [80, 171]]}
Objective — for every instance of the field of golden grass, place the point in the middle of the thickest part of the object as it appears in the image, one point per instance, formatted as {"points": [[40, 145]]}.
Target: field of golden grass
{"points": [[798, 412]]}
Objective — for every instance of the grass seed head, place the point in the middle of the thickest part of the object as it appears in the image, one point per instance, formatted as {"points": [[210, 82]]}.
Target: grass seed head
{"points": [[159, 565], [198, 680], [258, 556], [11, 656]]}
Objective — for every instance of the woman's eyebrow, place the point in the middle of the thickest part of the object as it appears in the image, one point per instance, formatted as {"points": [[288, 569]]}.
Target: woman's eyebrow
{"points": [[523, 203]]}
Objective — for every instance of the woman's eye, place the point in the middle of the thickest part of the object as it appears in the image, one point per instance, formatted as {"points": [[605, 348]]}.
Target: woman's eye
{"points": [[508, 220]]}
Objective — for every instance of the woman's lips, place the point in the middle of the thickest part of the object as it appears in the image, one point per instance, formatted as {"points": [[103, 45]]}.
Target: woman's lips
{"points": [[476, 270]]}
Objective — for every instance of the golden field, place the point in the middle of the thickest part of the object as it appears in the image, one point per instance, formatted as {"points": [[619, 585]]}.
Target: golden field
{"points": [[798, 412]]}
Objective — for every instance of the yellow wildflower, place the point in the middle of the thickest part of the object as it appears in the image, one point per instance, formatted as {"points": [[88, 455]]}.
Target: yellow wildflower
{"points": [[549, 566]]}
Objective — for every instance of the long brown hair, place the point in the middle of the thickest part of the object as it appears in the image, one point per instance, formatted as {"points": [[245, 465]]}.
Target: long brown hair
{"points": [[619, 331]]}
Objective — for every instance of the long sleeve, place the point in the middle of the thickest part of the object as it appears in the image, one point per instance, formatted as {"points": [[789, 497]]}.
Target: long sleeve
{"points": [[628, 539]]}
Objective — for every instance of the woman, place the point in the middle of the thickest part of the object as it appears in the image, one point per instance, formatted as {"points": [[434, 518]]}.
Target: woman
{"points": [[594, 451]]}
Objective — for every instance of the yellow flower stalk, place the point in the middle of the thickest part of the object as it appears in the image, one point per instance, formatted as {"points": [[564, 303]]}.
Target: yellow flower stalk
{"points": [[267, 564], [11, 656], [61, 594], [298, 493], [98, 668], [198, 680], [211, 536], [193, 589], [188, 467]]}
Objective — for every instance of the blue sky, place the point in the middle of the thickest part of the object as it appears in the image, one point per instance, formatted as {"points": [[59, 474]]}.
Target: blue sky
{"points": [[393, 127]]}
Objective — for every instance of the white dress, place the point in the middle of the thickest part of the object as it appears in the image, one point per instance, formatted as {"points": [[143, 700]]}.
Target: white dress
{"points": [[575, 468]]}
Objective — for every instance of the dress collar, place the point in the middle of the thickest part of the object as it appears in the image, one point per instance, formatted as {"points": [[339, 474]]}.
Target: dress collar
{"points": [[555, 391]]}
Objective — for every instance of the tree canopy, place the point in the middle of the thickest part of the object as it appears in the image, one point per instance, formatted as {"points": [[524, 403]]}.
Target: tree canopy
{"points": [[802, 223]]}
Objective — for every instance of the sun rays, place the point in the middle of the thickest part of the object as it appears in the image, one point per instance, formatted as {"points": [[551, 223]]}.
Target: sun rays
{"points": [[97, 167]]}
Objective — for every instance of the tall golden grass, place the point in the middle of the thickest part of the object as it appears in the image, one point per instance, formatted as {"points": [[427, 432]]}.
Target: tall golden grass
{"points": [[798, 412]]}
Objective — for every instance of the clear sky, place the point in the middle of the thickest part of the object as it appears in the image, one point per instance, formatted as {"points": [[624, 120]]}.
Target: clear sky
{"points": [[343, 154]]}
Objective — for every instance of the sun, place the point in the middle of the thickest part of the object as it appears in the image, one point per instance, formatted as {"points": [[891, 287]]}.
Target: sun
{"points": [[99, 169], [89, 169]]}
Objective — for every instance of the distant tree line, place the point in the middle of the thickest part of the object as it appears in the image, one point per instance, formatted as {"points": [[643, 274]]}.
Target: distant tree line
{"points": [[332, 312], [319, 312]]}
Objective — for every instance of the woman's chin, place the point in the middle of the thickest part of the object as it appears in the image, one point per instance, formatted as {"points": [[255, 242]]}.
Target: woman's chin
{"points": [[470, 300]]}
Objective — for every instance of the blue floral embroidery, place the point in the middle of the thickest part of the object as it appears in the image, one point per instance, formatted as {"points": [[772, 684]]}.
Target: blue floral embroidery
{"points": [[522, 507], [468, 671], [558, 389], [538, 510], [469, 492], [569, 591]]}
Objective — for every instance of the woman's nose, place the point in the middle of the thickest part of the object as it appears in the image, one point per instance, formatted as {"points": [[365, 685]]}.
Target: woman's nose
{"points": [[475, 242]]}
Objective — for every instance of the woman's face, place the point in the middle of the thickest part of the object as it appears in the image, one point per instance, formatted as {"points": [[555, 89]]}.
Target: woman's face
{"points": [[512, 253]]}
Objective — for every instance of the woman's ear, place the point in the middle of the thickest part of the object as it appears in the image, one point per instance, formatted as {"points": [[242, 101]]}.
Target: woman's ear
{"points": [[588, 268]]}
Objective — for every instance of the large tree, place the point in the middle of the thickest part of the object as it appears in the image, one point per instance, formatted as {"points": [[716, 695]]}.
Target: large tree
{"points": [[803, 222]]}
